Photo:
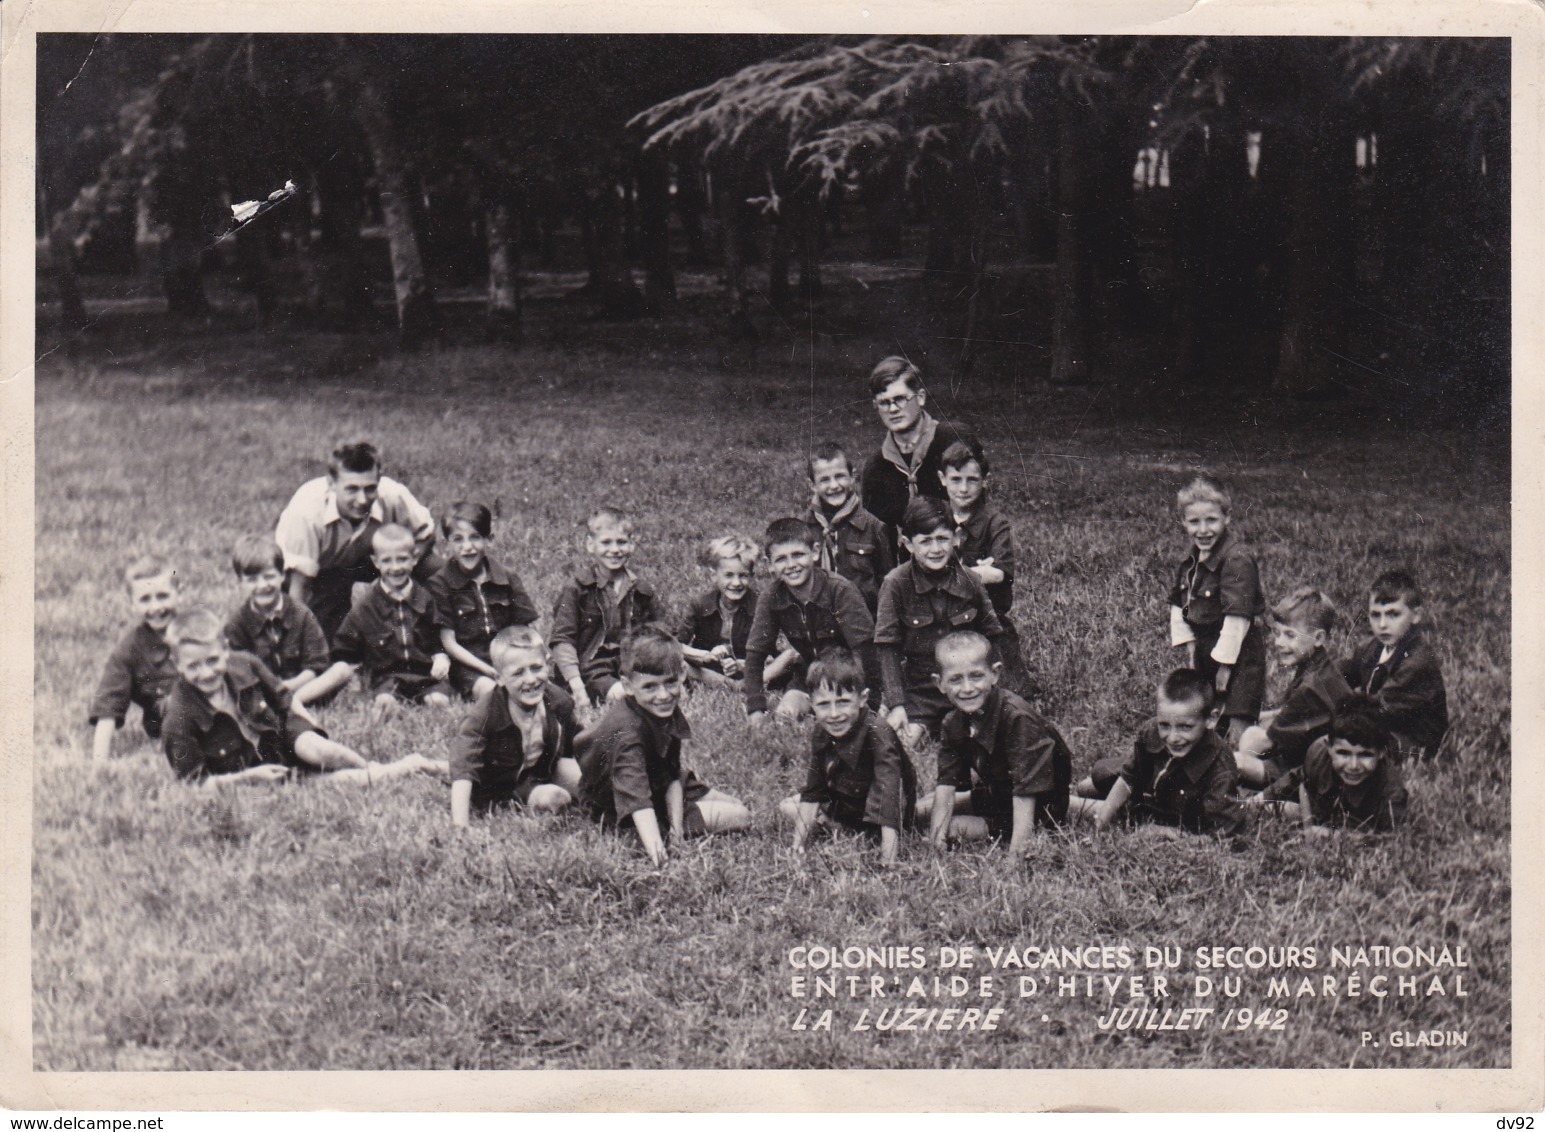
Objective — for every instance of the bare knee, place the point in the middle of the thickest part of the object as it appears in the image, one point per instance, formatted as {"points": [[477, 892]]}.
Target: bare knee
{"points": [[549, 797], [789, 807], [481, 687]]}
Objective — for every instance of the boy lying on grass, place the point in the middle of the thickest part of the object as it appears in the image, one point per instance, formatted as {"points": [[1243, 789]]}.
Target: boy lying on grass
{"points": [[630, 760], [859, 776], [516, 744], [140, 670], [229, 719], [1003, 769], [1348, 780], [1181, 773]]}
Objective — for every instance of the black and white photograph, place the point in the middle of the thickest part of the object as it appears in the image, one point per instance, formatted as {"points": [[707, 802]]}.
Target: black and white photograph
{"points": [[750, 548]]}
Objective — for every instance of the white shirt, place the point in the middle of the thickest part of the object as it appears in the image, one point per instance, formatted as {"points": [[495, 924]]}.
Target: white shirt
{"points": [[312, 533]]}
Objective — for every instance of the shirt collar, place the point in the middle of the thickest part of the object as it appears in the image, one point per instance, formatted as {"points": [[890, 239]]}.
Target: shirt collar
{"points": [[457, 578], [850, 745], [782, 597], [591, 574], [892, 451], [1220, 551], [675, 727], [1196, 762], [238, 678], [265, 616], [417, 599], [951, 581], [330, 513]]}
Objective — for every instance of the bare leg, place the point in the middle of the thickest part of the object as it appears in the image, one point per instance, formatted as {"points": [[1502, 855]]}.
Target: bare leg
{"points": [[722, 813], [373, 773], [925, 804], [326, 754], [789, 807], [967, 827], [549, 798], [793, 706], [481, 687], [1083, 807], [566, 775], [437, 700]]}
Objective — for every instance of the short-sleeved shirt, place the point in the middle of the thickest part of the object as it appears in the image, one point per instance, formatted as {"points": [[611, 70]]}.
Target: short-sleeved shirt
{"points": [[201, 740], [834, 615], [489, 748], [864, 778], [890, 480], [702, 625], [588, 621], [1408, 687], [390, 636], [1378, 802], [1011, 751], [288, 639], [629, 758], [1227, 584], [856, 546], [1317, 690], [917, 610], [314, 537], [986, 533], [476, 611], [1194, 792], [140, 670]]}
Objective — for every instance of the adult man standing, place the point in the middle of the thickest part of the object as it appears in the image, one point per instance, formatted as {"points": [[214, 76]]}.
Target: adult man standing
{"points": [[325, 531]]}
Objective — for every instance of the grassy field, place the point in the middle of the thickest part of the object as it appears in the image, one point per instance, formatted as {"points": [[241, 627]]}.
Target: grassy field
{"points": [[326, 928]]}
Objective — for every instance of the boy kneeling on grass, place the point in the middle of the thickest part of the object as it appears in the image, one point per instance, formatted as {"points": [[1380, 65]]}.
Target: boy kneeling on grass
{"points": [[1181, 773], [1003, 768], [859, 775], [630, 761], [229, 719], [1348, 780], [516, 744]]}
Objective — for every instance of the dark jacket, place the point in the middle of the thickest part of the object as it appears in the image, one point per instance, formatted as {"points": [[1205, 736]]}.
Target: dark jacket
{"points": [[1317, 690], [386, 635], [916, 611], [627, 761], [475, 611], [861, 549], [1409, 689], [1014, 752], [1379, 802], [488, 750], [702, 626], [288, 644], [986, 534], [588, 627], [886, 488], [864, 778], [834, 615], [1195, 792], [140, 670], [200, 741]]}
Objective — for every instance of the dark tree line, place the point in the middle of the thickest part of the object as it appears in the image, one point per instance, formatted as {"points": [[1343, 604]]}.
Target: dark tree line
{"points": [[1286, 174]]}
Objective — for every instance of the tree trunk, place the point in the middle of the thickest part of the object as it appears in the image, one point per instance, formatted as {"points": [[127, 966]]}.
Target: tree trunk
{"points": [[418, 317], [338, 290], [809, 240], [729, 206], [977, 258], [61, 257], [611, 280], [176, 208], [654, 233], [1073, 316], [778, 256], [504, 305], [691, 204]]}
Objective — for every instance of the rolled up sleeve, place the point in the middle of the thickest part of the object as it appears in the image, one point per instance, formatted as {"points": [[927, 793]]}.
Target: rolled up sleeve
{"points": [[299, 533], [470, 743], [630, 777]]}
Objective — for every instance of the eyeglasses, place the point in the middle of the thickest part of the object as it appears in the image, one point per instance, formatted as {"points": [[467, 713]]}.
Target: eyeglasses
{"points": [[884, 403]]}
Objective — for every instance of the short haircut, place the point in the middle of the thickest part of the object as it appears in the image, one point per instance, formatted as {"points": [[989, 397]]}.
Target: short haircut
{"points": [[1187, 685], [827, 450], [1396, 585], [1308, 606], [355, 457], [730, 546], [475, 515], [962, 639], [651, 650], [390, 535], [959, 454], [253, 554], [837, 669], [891, 370], [1359, 719], [924, 515], [603, 517], [787, 530], [195, 627], [148, 567], [513, 637], [1204, 489]]}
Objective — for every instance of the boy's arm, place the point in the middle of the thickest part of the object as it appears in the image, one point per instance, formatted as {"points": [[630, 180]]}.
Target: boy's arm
{"points": [[1000, 546], [884, 551], [943, 812], [470, 745], [1024, 825], [453, 649], [523, 610], [759, 642], [1180, 633], [852, 614], [675, 809], [884, 803], [102, 738], [1120, 791], [564, 640], [648, 826], [888, 843], [804, 821], [1221, 813], [954, 774], [779, 664], [115, 690], [314, 653], [1303, 716], [461, 803], [887, 646], [335, 677]]}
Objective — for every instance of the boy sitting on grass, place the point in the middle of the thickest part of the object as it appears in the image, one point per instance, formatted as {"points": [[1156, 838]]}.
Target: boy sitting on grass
{"points": [[140, 670], [859, 776], [1398, 668], [516, 745], [283, 634], [1004, 770], [1181, 773], [630, 761], [921, 602], [229, 719], [1348, 780], [717, 623], [854, 544], [1301, 627], [813, 610], [477, 597], [599, 606], [392, 632]]}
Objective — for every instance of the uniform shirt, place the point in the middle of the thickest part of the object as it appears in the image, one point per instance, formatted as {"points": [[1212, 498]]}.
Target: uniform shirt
{"points": [[1195, 792], [489, 750], [315, 538], [1318, 689], [1408, 687], [986, 534], [702, 626], [890, 480], [917, 609], [140, 670], [628, 760], [861, 778], [288, 640], [854, 545], [1013, 751], [387, 635], [476, 611], [1378, 802], [834, 615], [1227, 584], [201, 740], [589, 625]]}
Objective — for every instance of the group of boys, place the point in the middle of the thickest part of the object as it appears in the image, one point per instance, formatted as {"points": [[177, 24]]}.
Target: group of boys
{"points": [[890, 660]]}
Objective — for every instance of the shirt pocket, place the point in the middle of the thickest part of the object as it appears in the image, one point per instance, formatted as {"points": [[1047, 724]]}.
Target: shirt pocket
{"points": [[960, 617], [860, 558]]}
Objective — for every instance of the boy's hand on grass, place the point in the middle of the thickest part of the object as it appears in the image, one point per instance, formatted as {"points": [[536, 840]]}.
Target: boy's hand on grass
{"points": [[266, 772]]}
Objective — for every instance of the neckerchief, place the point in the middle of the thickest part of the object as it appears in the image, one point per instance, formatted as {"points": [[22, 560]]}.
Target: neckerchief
{"points": [[909, 468], [829, 526]]}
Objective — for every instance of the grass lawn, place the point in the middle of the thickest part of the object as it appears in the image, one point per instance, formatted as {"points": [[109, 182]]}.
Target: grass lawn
{"points": [[319, 927]]}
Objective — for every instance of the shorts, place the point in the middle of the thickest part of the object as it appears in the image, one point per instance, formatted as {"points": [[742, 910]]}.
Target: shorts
{"points": [[279, 747], [519, 795], [463, 678], [1247, 682], [692, 824], [407, 686], [996, 807]]}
